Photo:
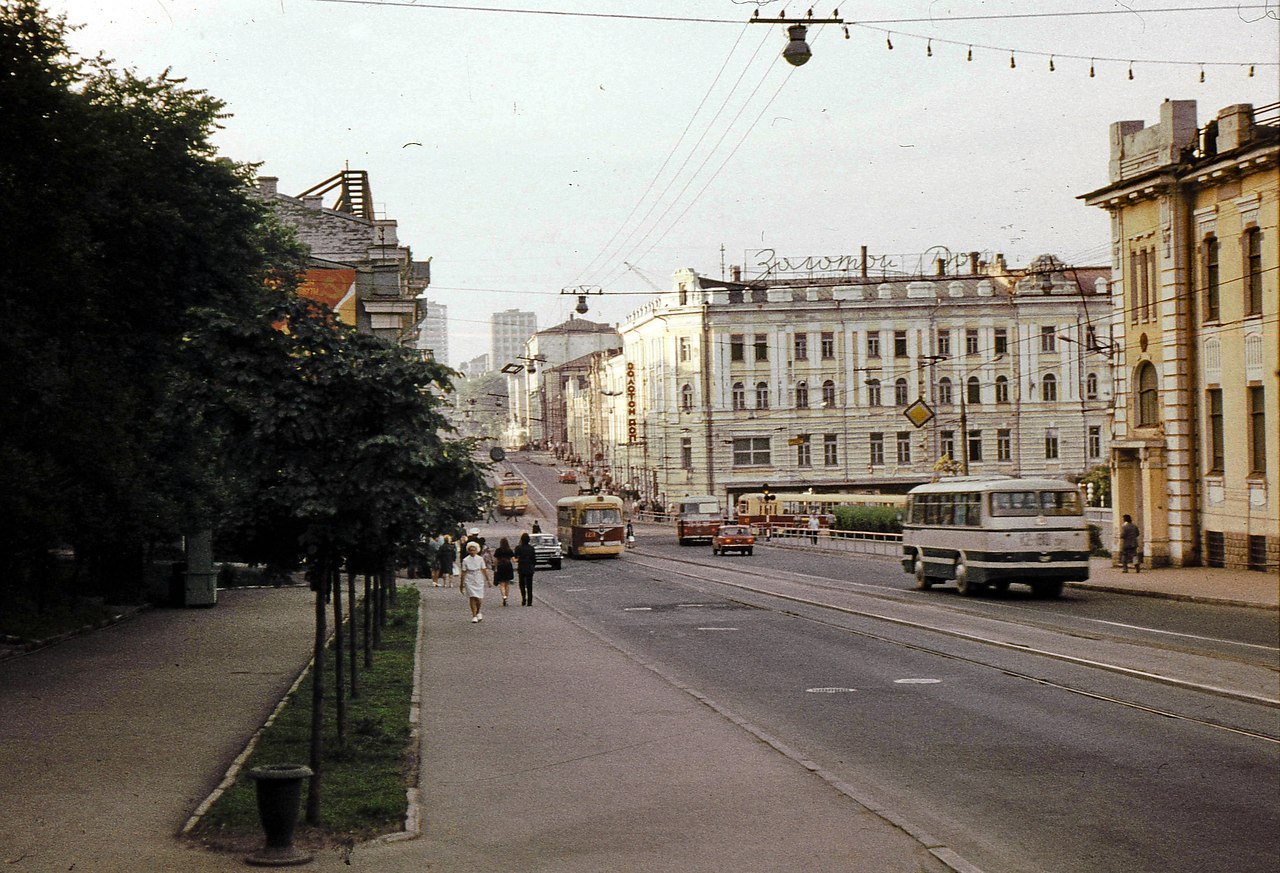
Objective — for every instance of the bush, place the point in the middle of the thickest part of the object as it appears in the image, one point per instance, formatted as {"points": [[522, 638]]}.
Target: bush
{"points": [[874, 519]]}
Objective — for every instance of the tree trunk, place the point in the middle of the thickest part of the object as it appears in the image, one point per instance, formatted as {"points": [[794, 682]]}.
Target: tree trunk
{"points": [[376, 608], [368, 623], [354, 642], [339, 680], [319, 581]]}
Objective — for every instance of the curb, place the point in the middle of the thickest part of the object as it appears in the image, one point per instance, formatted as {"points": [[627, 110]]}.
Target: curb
{"points": [[1167, 595], [25, 647]]}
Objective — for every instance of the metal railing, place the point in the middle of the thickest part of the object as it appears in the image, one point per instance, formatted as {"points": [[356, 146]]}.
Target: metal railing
{"points": [[853, 541]]}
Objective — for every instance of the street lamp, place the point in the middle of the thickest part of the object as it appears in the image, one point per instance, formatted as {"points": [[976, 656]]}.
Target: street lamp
{"points": [[797, 52]]}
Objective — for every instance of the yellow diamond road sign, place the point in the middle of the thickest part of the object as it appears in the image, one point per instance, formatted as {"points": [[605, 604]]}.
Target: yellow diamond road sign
{"points": [[918, 413]]}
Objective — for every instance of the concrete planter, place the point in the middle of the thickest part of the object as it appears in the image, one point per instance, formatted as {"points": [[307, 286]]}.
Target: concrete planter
{"points": [[279, 799]]}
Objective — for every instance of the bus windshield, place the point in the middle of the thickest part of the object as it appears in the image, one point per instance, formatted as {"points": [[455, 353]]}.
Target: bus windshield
{"points": [[703, 510], [1028, 503], [601, 516]]}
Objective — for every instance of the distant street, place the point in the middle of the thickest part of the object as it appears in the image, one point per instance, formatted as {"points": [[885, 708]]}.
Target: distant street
{"points": [[1095, 733]]}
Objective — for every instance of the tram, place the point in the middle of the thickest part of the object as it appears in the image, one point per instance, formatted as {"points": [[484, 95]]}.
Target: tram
{"points": [[512, 496], [591, 525]]}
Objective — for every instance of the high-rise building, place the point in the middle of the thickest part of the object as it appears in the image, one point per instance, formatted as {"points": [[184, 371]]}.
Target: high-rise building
{"points": [[508, 331], [433, 330]]}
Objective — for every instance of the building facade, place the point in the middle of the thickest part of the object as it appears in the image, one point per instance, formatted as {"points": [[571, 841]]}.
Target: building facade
{"points": [[508, 332], [805, 382], [1194, 260], [433, 330]]}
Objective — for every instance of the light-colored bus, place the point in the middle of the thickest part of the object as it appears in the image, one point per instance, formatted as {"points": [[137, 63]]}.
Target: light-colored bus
{"points": [[697, 519], [981, 531], [590, 524], [792, 509], [512, 497]]}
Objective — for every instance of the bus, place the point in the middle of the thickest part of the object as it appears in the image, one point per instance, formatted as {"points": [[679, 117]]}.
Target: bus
{"points": [[697, 519], [590, 524], [990, 531], [792, 509], [512, 497]]}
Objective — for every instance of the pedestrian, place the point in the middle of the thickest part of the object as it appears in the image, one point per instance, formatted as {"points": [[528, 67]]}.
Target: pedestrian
{"points": [[813, 529], [446, 559], [475, 576], [427, 567], [437, 543], [1130, 535], [503, 571], [526, 559], [537, 528], [492, 519], [631, 535]]}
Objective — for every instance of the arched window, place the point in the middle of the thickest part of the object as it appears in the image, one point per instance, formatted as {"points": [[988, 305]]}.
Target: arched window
{"points": [[1148, 396], [945, 396], [686, 397], [973, 390], [739, 396], [829, 394], [1049, 388], [762, 395], [1002, 389], [873, 392], [802, 395], [900, 393], [1091, 386]]}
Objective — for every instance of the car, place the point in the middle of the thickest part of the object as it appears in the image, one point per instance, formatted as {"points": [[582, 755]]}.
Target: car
{"points": [[733, 538], [547, 547], [568, 476]]}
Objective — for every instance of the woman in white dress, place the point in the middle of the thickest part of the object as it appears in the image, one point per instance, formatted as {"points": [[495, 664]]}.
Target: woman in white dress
{"points": [[475, 576]]}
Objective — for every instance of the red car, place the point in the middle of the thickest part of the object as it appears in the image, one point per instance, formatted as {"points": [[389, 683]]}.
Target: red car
{"points": [[568, 476], [733, 538]]}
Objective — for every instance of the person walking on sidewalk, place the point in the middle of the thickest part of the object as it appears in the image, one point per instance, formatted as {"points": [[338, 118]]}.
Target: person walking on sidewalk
{"points": [[1130, 534], [503, 571], [430, 547], [475, 576], [526, 558], [813, 529], [446, 560]]}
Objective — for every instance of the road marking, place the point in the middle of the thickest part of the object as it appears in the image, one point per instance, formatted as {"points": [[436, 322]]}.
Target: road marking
{"points": [[829, 690], [916, 681], [575, 589], [636, 608], [718, 628]]}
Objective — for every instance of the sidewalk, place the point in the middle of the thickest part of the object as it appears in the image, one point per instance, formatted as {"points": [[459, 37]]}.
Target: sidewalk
{"points": [[1199, 584]]}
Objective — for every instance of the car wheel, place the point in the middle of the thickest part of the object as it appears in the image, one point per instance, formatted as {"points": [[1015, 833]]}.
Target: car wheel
{"points": [[923, 582], [1047, 589], [966, 587], [749, 551], [555, 565]]}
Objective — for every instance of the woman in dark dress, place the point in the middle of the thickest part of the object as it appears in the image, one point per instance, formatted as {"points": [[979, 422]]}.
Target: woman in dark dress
{"points": [[504, 571]]}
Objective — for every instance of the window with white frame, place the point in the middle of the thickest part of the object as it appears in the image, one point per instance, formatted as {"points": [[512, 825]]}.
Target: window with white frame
{"points": [[1051, 444], [900, 395], [804, 455], [828, 345], [1049, 388], [903, 442], [739, 396], [1004, 445], [1002, 389], [802, 395], [877, 450], [830, 451], [762, 395], [945, 395], [751, 452], [684, 345], [801, 346], [873, 392], [686, 397], [829, 394]]}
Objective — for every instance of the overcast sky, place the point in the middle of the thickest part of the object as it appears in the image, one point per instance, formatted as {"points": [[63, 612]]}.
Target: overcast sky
{"points": [[529, 153]]}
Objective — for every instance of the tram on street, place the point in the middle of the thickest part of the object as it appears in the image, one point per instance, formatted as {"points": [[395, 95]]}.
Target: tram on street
{"points": [[591, 525], [792, 509], [697, 519], [512, 497], [990, 531]]}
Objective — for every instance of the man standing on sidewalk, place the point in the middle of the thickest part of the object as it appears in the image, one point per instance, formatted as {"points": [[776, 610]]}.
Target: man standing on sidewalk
{"points": [[526, 557], [1129, 537]]}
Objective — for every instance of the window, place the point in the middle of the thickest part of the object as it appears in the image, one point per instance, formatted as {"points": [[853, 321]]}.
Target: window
{"points": [[1215, 548], [685, 348], [1090, 338], [944, 343], [873, 392], [1091, 386], [736, 347], [1095, 442], [830, 455], [970, 342], [828, 345], [1134, 291], [1051, 444], [873, 344], [804, 457], [973, 390], [1048, 338], [899, 343], [762, 347], [802, 395], [686, 453], [900, 393], [975, 446], [904, 447], [1257, 556], [801, 345], [1217, 452], [1257, 431], [739, 396], [1002, 341], [1148, 398], [1002, 389], [1253, 272], [751, 452], [686, 397], [829, 394], [1212, 302], [945, 397], [947, 444], [877, 450], [1049, 388], [762, 395], [1004, 445]]}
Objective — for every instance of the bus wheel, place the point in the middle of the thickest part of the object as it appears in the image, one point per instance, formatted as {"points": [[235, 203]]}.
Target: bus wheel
{"points": [[1047, 589], [963, 585], [923, 582], [1002, 586]]}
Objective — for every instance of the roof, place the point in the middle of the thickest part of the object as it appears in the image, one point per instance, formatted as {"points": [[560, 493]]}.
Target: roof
{"points": [[987, 483], [578, 325]]}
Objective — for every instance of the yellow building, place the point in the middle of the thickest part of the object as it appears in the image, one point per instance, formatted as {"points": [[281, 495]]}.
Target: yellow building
{"points": [[1195, 448]]}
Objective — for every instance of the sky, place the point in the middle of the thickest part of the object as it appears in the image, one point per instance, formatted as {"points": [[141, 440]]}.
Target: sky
{"points": [[536, 148]]}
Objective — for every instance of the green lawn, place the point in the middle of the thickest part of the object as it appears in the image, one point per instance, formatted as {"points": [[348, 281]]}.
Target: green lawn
{"points": [[363, 788]]}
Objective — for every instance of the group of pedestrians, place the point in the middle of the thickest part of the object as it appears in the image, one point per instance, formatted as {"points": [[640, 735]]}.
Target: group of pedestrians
{"points": [[475, 567]]}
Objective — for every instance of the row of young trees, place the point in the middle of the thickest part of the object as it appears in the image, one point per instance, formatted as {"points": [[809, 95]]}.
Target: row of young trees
{"points": [[160, 374]]}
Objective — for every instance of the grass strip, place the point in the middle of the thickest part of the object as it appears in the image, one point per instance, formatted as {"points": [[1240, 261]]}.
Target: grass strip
{"points": [[364, 780]]}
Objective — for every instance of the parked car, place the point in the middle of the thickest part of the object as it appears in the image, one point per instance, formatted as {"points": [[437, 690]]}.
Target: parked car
{"points": [[733, 538], [568, 476], [547, 547]]}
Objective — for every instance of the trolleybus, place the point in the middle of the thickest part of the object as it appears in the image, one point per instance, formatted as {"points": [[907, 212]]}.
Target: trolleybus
{"points": [[590, 524], [981, 531], [697, 519]]}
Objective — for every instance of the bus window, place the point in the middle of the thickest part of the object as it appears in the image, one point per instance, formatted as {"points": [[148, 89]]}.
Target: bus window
{"points": [[1060, 502], [708, 509], [1013, 503], [946, 514]]}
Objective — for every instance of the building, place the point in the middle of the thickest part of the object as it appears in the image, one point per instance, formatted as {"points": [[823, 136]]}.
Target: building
{"points": [[433, 330], [1196, 446], [347, 236], [477, 366], [508, 331], [803, 380]]}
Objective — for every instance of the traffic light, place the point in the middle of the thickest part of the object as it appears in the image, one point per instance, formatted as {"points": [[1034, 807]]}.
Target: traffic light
{"points": [[768, 495]]}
